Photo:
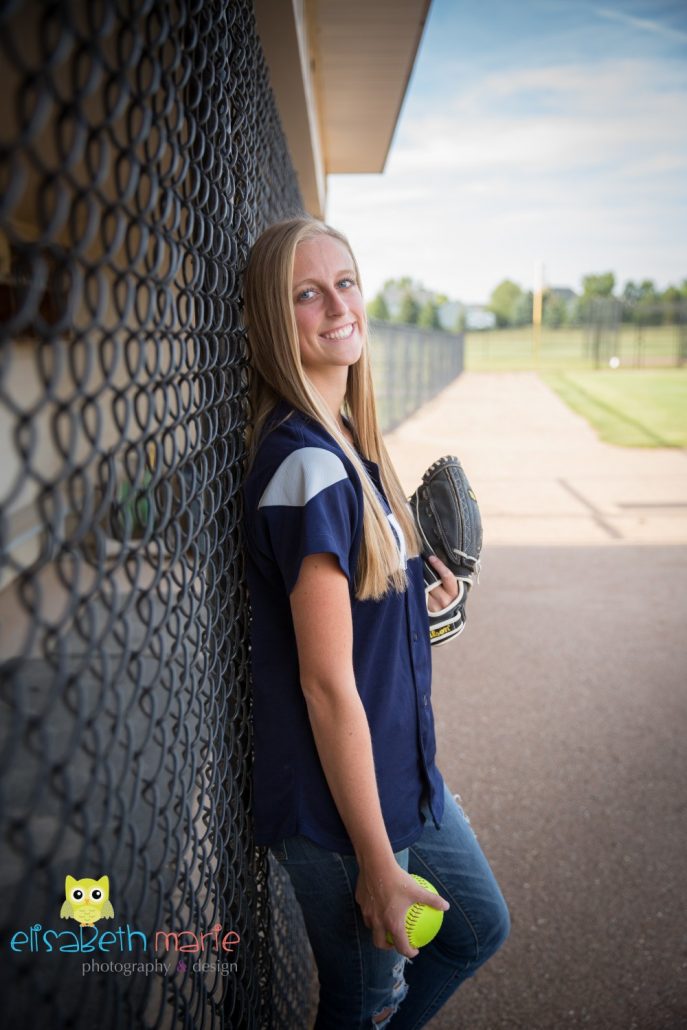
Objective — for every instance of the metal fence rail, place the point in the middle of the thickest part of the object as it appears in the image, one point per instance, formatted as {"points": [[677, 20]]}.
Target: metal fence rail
{"points": [[140, 155], [410, 366]]}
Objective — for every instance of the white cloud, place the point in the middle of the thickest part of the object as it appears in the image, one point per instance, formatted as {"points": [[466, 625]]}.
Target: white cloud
{"points": [[644, 24], [585, 166], [621, 107]]}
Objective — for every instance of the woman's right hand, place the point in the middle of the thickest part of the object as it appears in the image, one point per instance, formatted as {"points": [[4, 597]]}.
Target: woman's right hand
{"points": [[385, 893], [323, 624]]}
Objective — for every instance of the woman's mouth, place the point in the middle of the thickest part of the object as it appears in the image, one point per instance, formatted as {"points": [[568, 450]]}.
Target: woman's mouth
{"points": [[339, 334]]}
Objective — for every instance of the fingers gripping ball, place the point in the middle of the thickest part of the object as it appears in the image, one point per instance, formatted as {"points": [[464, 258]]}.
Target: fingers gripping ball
{"points": [[422, 921]]}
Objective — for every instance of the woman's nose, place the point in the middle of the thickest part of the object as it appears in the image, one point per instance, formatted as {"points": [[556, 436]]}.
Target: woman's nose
{"points": [[336, 304]]}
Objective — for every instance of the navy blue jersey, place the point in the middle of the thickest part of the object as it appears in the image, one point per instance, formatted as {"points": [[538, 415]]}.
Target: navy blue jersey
{"points": [[303, 496]]}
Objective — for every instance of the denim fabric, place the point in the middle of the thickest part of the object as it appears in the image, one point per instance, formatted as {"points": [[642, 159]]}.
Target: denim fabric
{"points": [[359, 981]]}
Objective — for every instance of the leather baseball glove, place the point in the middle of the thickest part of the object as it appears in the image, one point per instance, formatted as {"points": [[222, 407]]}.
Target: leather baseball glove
{"points": [[448, 520]]}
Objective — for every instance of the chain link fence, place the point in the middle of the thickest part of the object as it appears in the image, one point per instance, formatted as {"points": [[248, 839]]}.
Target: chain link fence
{"points": [[634, 335], [410, 366], [605, 333], [140, 155]]}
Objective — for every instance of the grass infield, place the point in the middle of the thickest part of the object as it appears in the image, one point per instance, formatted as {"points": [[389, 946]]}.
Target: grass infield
{"points": [[628, 407]]}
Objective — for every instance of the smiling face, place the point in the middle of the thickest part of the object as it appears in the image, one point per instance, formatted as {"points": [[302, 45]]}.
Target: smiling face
{"points": [[329, 308]]}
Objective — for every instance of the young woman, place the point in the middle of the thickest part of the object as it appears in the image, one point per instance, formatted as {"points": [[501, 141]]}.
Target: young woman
{"points": [[347, 793]]}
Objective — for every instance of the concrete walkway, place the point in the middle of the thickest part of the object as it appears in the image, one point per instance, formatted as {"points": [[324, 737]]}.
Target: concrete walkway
{"points": [[562, 709], [539, 470]]}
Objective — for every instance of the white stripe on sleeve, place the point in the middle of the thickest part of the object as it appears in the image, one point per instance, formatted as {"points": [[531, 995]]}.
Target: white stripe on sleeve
{"points": [[301, 476]]}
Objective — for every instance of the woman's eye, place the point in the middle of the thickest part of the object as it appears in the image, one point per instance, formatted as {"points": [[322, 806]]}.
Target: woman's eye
{"points": [[310, 291]]}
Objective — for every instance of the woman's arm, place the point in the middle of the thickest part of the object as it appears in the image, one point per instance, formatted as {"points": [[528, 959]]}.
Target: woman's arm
{"points": [[321, 609]]}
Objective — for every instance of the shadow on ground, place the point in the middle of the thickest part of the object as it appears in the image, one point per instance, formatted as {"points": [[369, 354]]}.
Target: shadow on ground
{"points": [[562, 717]]}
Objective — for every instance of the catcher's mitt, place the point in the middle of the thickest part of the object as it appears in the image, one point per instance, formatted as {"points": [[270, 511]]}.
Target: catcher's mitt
{"points": [[447, 517]]}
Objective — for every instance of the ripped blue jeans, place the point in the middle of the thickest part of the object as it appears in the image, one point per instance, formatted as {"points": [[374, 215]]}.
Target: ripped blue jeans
{"points": [[362, 986]]}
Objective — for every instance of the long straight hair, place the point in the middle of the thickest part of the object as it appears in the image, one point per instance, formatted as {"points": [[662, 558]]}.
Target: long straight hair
{"points": [[277, 372]]}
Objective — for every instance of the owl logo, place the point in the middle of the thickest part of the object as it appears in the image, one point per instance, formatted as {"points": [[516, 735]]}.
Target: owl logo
{"points": [[87, 900]]}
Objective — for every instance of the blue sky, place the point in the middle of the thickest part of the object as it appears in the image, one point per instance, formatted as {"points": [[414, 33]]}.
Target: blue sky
{"points": [[540, 131]]}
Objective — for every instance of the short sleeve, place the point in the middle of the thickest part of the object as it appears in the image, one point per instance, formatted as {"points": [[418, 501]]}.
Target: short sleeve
{"points": [[309, 506]]}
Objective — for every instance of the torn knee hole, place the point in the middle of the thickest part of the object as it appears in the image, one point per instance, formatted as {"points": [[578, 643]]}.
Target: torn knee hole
{"points": [[384, 1014], [399, 991]]}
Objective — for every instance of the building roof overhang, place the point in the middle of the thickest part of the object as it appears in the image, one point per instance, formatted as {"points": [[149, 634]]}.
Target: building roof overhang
{"points": [[339, 74]]}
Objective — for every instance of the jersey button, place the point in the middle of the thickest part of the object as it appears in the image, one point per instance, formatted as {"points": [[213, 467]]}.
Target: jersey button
{"points": [[415, 636]]}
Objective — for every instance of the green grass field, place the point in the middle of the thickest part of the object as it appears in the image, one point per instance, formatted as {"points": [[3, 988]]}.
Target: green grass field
{"points": [[643, 403], [630, 408], [568, 348]]}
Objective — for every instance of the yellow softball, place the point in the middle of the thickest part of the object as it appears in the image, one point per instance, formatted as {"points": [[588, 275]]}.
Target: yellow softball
{"points": [[422, 921]]}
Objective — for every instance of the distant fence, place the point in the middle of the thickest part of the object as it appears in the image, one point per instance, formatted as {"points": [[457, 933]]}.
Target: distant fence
{"points": [[611, 335], [410, 366], [636, 335]]}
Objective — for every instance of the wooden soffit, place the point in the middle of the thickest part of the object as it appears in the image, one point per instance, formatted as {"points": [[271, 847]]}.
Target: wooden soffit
{"points": [[339, 73]]}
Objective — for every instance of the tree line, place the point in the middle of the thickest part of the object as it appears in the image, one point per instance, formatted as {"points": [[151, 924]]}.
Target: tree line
{"points": [[408, 302]]}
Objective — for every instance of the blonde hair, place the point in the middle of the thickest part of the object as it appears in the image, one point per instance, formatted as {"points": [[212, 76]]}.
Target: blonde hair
{"points": [[277, 373]]}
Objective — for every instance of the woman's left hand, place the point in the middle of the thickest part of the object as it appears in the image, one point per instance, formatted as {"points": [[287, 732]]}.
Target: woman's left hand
{"points": [[445, 592]]}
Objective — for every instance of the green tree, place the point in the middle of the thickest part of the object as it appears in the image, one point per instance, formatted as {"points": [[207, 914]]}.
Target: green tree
{"points": [[378, 308], [648, 310], [428, 316], [671, 295], [671, 299], [404, 283], [631, 292], [504, 302], [555, 311], [523, 309], [647, 292], [409, 310], [630, 297], [595, 289], [598, 285]]}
